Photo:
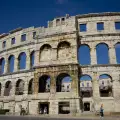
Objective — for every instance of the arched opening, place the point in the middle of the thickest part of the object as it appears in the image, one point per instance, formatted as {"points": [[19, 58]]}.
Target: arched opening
{"points": [[63, 50], [32, 57], [19, 87], [30, 87], [11, 63], [0, 88], [45, 52], [63, 83], [8, 87], [22, 61], [105, 85], [44, 84], [117, 50], [84, 55], [86, 86], [102, 53], [2, 65]]}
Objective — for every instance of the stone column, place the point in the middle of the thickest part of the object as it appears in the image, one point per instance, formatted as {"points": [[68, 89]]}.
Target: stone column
{"points": [[27, 59], [96, 93], [112, 55], [12, 92], [2, 89], [93, 55], [25, 87], [37, 59]]}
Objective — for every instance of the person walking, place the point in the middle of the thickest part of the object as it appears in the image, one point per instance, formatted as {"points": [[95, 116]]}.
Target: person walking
{"points": [[101, 112]]}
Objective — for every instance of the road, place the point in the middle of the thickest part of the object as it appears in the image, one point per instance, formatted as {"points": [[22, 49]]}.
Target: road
{"points": [[36, 118]]}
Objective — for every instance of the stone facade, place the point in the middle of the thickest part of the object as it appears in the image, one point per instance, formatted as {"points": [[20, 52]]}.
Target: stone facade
{"points": [[56, 53]]}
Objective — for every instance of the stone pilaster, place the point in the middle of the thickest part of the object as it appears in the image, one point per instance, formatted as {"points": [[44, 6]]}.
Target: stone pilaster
{"points": [[112, 55], [16, 63], [28, 60], [116, 91], [96, 93], [93, 56], [52, 84], [36, 83], [54, 54], [37, 58], [6, 64]]}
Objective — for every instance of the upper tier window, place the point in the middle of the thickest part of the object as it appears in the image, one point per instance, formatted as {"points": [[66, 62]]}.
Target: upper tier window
{"points": [[4, 44], [83, 28], [23, 37], [100, 26], [34, 34], [117, 25], [13, 41]]}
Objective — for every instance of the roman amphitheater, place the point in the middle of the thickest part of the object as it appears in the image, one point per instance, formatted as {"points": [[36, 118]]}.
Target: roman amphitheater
{"points": [[41, 68]]}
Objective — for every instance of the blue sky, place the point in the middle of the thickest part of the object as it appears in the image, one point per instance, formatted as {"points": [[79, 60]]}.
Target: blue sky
{"points": [[26, 13]]}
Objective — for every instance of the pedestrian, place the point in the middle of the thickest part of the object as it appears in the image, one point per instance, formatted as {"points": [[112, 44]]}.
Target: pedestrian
{"points": [[45, 110], [101, 112]]}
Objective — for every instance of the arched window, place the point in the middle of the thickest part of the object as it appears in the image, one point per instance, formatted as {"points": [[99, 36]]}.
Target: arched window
{"points": [[63, 50], [45, 52], [2, 65], [19, 87], [11, 63], [22, 61], [8, 88], [62, 81], [30, 87], [102, 53], [44, 84], [105, 85], [117, 49], [86, 86], [84, 55], [32, 57]]}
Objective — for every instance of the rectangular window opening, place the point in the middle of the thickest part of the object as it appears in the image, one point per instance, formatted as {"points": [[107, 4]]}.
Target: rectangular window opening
{"points": [[13, 41], [23, 37], [117, 25], [34, 34], [100, 26], [4, 44], [83, 28]]}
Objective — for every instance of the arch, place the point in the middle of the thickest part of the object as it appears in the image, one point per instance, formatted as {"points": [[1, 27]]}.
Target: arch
{"points": [[32, 57], [22, 60], [30, 87], [105, 85], [86, 86], [84, 55], [117, 50], [0, 88], [19, 87], [45, 52], [2, 65], [102, 51], [8, 87], [86, 77], [63, 50], [63, 80], [11, 63], [44, 84]]}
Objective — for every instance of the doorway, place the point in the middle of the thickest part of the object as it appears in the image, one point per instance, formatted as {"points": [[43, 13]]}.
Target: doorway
{"points": [[87, 106], [43, 107]]}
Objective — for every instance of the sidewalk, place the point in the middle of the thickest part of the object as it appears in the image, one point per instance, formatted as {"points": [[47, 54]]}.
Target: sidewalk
{"points": [[76, 117]]}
